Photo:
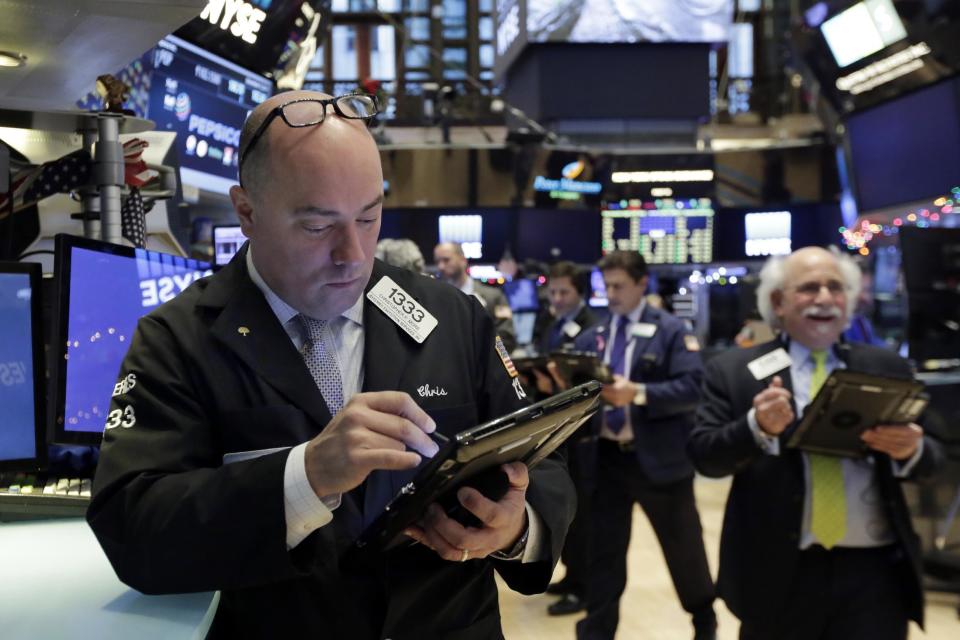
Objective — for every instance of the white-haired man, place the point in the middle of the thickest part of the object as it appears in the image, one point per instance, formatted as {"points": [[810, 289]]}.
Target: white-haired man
{"points": [[813, 547]]}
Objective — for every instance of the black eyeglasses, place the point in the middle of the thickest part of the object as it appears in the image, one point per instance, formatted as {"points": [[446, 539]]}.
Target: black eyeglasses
{"points": [[306, 112]]}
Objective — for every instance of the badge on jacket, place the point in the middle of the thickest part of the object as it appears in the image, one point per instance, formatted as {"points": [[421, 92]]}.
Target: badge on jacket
{"points": [[399, 306], [769, 364]]}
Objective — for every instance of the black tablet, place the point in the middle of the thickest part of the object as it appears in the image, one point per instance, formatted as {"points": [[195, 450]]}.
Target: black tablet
{"points": [[577, 367], [848, 404], [528, 435]]}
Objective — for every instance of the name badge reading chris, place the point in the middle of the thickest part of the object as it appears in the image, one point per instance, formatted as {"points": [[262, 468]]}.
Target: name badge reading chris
{"points": [[769, 364], [400, 307], [643, 330]]}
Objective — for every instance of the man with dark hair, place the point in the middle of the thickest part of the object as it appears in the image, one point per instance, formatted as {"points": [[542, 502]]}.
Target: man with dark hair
{"points": [[568, 315], [640, 456], [814, 547], [452, 267], [280, 404], [558, 328]]}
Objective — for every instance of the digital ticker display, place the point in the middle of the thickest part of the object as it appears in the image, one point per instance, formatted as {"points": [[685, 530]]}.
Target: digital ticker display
{"points": [[664, 231], [205, 100]]}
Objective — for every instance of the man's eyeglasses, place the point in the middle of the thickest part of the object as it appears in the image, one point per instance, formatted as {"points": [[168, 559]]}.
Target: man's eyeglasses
{"points": [[812, 289], [306, 112]]}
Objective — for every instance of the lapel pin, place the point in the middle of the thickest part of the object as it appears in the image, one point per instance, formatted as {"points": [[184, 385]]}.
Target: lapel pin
{"points": [[243, 331]]}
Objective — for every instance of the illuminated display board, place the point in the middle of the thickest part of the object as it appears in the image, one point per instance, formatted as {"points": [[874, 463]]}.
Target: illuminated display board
{"points": [[665, 231]]}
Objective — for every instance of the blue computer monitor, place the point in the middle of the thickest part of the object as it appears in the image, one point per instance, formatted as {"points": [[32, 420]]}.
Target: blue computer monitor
{"points": [[22, 372], [104, 289], [521, 294]]}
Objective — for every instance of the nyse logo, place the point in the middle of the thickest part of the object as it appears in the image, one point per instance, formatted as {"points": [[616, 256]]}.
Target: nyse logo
{"points": [[239, 18], [156, 290]]}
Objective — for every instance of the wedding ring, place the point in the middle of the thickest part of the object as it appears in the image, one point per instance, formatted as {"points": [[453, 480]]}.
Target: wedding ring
{"points": [[465, 556]]}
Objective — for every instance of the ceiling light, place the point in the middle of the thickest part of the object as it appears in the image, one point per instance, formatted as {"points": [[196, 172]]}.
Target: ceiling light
{"points": [[12, 59]]}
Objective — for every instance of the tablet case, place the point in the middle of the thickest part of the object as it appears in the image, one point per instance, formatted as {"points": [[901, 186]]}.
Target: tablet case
{"points": [[528, 435], [578, 367], [848, 404]]}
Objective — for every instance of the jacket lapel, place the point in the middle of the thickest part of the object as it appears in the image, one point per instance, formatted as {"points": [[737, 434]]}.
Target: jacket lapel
{"points": [[248, 326], [387, 349], [386, 352], [641, 344]]}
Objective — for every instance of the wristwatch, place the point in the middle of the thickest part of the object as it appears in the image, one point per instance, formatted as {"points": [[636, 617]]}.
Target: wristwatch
{"points": [[516, 551], [640, 397]]}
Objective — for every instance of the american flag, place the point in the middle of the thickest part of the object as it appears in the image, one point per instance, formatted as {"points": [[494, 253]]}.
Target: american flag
{"points": [[62, 175], [133, 219]]}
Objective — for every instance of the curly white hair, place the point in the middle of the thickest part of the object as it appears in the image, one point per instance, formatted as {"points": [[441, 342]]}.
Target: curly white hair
{"points": [[774, 272]]}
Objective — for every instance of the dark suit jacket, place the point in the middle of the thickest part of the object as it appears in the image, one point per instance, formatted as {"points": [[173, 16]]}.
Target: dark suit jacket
{"points": [[586, 318], [761, 528], [172, 517], [492, 299], [672, 373]]}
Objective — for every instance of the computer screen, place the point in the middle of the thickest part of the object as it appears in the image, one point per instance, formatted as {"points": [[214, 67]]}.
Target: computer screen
{"points": [[521, 294], [21, 368], [665, 231], [629, 21], [598, 289], [862, 30], [104, 289], [767, 233], [204, 99], [227, 240]]}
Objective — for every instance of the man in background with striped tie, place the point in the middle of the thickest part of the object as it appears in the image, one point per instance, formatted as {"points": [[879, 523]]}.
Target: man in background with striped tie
{"points": [[640, 453], [814, 547]]}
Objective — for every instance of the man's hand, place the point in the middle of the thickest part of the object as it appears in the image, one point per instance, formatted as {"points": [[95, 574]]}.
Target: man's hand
{"points": [[544, 383], [374, 431], [774, 411], [503, 522], [620, 392], [899, 441]]}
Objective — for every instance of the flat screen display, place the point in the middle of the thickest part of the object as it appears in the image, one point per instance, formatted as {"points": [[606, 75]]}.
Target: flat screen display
{"points": [[521, 294], [227, 240], [665, 231], [104, 289], [862, 30], [21, 368], [629, 20], [767, 233], [907, 149], [205, 100]]}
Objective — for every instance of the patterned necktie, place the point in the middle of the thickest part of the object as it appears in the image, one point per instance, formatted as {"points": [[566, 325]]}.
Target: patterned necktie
{"points": [[828, 520], [617, 417], [322, 362]]}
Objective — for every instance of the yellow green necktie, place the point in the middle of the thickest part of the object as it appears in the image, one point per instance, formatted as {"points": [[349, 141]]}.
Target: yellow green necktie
{"points": [[828, 521]]}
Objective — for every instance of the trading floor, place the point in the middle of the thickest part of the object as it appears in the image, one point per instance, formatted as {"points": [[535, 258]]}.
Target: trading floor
{"points": [[649, 608]]}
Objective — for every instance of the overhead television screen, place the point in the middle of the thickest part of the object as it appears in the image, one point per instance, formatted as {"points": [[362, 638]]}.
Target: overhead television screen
{"points": [[907, 149], [204, 99], [629, 20]]}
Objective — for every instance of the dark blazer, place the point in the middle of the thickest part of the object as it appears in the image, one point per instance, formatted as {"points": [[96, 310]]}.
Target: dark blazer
{"points": [[761, 528], [492, 299], [586, 318], [672, 373], [172, 517]]}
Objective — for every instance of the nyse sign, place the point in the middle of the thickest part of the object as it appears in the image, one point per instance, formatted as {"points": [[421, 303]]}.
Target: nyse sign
{"points": [[239, 18]]}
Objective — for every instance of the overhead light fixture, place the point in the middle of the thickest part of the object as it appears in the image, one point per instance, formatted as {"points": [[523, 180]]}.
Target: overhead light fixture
{"points": [[12, 59]]}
